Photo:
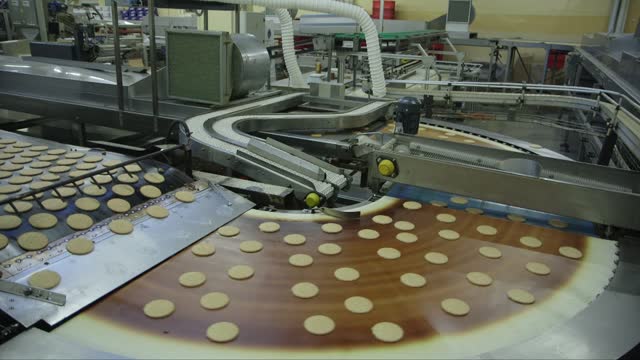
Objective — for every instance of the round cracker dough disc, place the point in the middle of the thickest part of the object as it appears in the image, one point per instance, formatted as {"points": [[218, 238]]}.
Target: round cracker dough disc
{"points": [[45, 279], [521, 296], [13, 150], [358, 305], [406, 237], [331, 228], [449, 234], [570, 252], [40, 165], [300, 260], [49, 177], [446, 218], [101, 179], [438, 203], [228, 231], [4, 241], [39, 148], [412, 205], [11, 167], [490, 252], [5, 174], [121, 226], [382, 219], [108, 163], [295, 239], [157, 211], [222, 332], [80, 246], [94, 190], [530, 241], [305, 290], [240, 272], [413, 280], [56, 151], [64, 192], [123, 190], [404, 225], [133, 168], [185, 196], [368, 234], [203, 248], [9, 189], [479, 278], [87, 204], [9, 222], [154, 178], [48, 158], [558, 223], [150, 191], [250, 246], [7, 141], [66, 162], [387, 332], [43, 221], [19, 180], [31, 172], [389, 253], [159, 308], [74, 155], [329, 249], [269, 227], [538, 268], [118, 205], [436, 258], [54, 204], [455, 307], [32, 241], [128, 178], [86, 166], [21, 206], [192, 279], [214, 300], [346, 274], [319, 324], [459, 200], [79, 221], [474, 211], [59, 169], [487, 230], [21, 160], [93, 159], [516, 218], [22, 144]]}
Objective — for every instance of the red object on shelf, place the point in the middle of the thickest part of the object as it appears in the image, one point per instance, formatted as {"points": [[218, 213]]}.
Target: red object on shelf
{"points": [[389, 9], [556, 59], [437, 47]]}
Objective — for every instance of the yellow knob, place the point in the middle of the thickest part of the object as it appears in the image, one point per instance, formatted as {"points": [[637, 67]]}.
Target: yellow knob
{"points": [[386, 167], [312, 200]]}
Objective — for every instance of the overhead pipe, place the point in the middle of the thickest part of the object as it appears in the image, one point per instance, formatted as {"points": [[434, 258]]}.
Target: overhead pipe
{"points": [[288, 49], [621, 21], [613, 16]]}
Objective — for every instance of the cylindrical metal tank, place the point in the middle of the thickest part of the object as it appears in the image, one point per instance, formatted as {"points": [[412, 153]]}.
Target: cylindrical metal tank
{"points": [[250, 64]]}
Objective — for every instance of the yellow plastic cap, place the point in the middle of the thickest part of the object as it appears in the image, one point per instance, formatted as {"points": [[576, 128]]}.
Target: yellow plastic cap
{"points": [[312, 200], [386, 167]]}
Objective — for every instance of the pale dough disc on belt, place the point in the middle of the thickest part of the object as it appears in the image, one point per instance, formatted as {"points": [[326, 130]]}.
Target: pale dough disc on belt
{"points": [[6, 156], [4, 241], [185, 196], [157, 211], [436, 258], [66, 162], [412, 205], [13, 150], [30, 154], [133, 168], [455, 307], [79, 221], [21, 206], [295, 239], [538, 268], [74, 155], [9, 189], [47, 158], [192, 279], [7, 141], [250, 246], [87, 204], [404, 225], [413, 280], [368, 234], [5, 174], [150, 191], [521, 296], [222, 332], [446, 218], [11, 167], [118, 205], [358, 304], [474, 211], [54, 204], [9, 222], [389, 253], [331, 228], [228, 231], [329, 249], [387, 332], [64, 192], [530, 241], [93, 159], [123, 190], [346, 274], [22, 144], [240, 272], [203, 248], [406, 237], [382, 219], [101, 179], [214, 300], [80, 246], [32, 241], [459, 200], [39, 184], [94, 190], [490, 252], [570, 252], [19, 180], [516, 218], [30, 172], [128, 178], [39, 148], [300, 260], [21, 160], [77, 173], [86, 166], [48, 177], [487, 230], [121, 226], [269, 227], [59, 169], [154, 178], [319, 324], [76, 183], [40, 164], [159, 308], [558, 223], [449, 234], [45, 279], [108, 163], [43, 221], [479, 278], [56, 151], [305, 290]]}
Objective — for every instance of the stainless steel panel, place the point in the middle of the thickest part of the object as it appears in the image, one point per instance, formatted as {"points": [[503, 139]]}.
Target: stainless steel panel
{"points": [[250, 63]]}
